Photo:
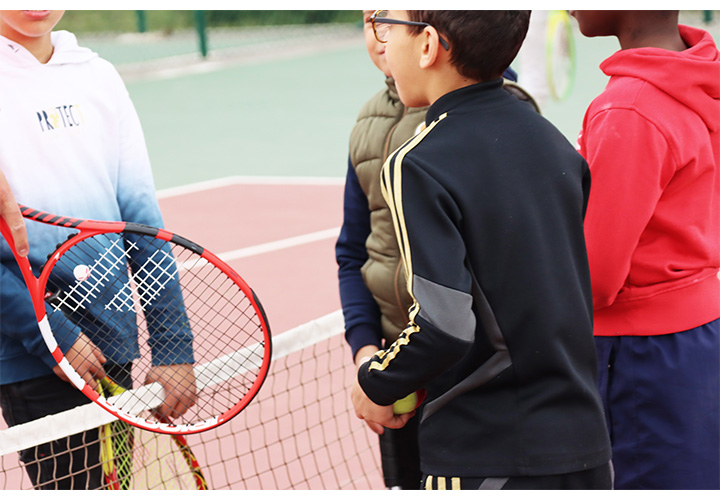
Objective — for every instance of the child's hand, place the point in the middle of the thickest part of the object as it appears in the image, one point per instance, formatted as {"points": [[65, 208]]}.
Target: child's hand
{"points": [[86, 359], [179, 384], [377, 417]]}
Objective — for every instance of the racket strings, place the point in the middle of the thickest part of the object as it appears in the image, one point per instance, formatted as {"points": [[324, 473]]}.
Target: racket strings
{"points": [[156, 303], [150, 284], [84, 290]]}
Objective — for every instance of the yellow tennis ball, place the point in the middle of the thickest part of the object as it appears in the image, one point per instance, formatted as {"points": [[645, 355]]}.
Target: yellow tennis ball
{"points": [[406, 404]]}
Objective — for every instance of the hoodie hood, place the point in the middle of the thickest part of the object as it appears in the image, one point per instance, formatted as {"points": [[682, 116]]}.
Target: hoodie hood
{"points": [[66, 51], [666, 69]]}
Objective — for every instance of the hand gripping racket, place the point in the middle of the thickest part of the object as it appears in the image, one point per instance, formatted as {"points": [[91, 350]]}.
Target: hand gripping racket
{"points": [[175, 313], [142, 462]]}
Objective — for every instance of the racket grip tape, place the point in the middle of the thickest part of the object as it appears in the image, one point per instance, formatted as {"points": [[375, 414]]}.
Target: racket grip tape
{"points": [[400, 457]]}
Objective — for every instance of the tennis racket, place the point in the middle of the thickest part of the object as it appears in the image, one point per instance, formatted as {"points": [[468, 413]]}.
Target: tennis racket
{"points": [[183, 319], [560, 54], [116, 445], [157, 464]]}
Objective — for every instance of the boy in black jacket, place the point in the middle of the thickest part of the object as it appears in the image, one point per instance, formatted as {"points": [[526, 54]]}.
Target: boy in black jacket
{"points": [[488, 205]]}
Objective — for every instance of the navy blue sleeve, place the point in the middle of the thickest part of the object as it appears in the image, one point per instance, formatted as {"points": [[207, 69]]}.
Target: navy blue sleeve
{"points": [[361, 312], [510, 74], [170, 339]]}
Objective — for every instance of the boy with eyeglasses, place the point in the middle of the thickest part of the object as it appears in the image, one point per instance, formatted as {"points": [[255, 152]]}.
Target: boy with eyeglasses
{"points": [[371, 278], [487, 204]]}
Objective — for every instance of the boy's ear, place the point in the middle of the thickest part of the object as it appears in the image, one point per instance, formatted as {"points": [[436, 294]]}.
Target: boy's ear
{"points": [[430, 46]]}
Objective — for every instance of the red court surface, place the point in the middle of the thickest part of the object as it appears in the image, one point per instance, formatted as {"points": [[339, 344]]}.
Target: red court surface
{"points": [[296, 282]]}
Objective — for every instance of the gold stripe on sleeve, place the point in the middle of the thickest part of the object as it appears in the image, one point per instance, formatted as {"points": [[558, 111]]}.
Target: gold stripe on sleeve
{"points": [[441, 484], [391, 187], [395, 201], [428, 483]]}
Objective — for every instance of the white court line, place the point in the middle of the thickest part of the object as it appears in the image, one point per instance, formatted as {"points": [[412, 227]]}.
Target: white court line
{"points": [[259, 180], [248, 180], [280, 244]]}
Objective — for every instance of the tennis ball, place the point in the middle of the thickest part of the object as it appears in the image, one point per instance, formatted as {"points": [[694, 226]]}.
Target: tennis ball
{"points": [[405, 405], [81, 272], [409, 403]]}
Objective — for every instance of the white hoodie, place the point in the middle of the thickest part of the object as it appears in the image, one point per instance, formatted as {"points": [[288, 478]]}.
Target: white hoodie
{"points": [[70, 144], [70, 139]]}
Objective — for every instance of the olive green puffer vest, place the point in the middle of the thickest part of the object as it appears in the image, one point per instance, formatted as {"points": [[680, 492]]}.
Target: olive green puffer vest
{"points": [[383, 125]]}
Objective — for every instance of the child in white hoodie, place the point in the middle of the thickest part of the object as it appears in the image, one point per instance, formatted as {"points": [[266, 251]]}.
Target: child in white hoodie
{"points": [[70, 144]]}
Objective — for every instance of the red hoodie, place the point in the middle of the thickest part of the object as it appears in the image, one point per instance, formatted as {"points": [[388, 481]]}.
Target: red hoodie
{"points": [[652, 140]]}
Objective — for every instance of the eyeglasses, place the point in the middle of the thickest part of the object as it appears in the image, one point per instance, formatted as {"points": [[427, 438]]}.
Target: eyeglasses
{"points": [[381, 26]]}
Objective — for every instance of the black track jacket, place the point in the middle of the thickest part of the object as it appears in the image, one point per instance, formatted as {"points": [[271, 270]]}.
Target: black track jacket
{"points": [[488, 204]]}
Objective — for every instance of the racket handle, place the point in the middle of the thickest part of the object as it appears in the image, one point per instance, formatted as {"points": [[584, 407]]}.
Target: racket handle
{"points": [[390, 459], [400, 457]]}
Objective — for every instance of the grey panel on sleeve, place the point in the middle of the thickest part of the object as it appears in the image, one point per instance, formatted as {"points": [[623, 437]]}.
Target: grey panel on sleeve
{"points": [[447, 309]]}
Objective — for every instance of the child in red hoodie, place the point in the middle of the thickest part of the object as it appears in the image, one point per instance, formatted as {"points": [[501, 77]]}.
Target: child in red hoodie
{"points": [[652, 140]]}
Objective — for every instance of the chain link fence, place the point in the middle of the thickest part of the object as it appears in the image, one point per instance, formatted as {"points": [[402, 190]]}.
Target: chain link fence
{"points": [[141, 42]]}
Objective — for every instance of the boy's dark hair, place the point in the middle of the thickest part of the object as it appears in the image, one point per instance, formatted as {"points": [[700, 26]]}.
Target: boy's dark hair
{"points": [[483, 43]]}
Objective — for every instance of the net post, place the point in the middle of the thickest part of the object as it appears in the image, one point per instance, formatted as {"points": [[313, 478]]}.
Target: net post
{"points": [[141, 21], [201, 31]]}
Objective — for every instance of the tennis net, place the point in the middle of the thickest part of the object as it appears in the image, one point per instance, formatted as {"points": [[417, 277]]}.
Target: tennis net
{"points": [[299, 433]]}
